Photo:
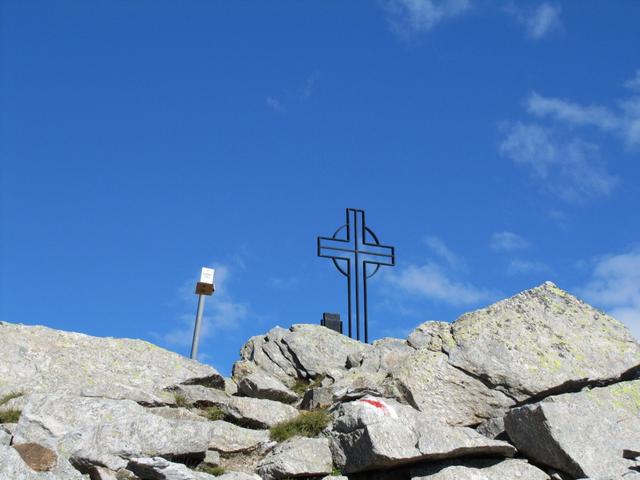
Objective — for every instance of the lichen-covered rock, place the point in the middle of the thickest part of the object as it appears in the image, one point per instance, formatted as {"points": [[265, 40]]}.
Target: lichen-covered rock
{"points": [[297, 457], [262, 385], [302, 352], [256, 412], [38, 359], [583, 434], [431, 384], [5, 436], [540, 341], [228, 438], [13, 467], [104, 432], [432, 335], [480, 469], [375, 433]]}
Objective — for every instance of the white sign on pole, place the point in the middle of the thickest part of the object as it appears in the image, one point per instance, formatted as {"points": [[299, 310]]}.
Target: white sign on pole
{"points": [[206, 275]]}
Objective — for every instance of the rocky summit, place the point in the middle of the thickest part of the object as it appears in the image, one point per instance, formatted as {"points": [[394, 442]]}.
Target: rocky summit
{"points": [[538, 386]]}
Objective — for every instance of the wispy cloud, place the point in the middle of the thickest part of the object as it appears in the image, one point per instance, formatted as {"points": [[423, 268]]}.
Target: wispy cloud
{"points": [[519, 266], [410, 17], [615, 286], [634, 83], [507, 242], [222, 312], [274, 104], [437, 279], [538, 21], [444, 252], [568, 167]]}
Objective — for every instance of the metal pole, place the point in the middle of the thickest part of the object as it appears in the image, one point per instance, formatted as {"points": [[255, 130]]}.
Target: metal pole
{"points": [[196, 330]]}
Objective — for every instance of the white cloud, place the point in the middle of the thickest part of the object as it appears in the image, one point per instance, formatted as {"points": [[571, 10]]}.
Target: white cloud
{"points": [[566, 166], [615, 285], [572, 113], [409, 17], [274, 104], [431, 281], [221, 312], [519, 266], [634, 83], [444, 252], [539, 21], [507, 242]]}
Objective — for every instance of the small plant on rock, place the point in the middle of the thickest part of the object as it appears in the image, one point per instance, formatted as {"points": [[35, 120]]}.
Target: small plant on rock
{"points": [[302, 385], [215, 413], [9, 416], [215, 471], [307, 424], [9, 396], [180, 400]]}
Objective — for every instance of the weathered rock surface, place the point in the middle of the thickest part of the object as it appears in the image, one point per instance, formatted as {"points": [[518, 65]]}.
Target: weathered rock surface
{"points": [[297, 457], [374, 433], [540, 341], [105, 432], [5, 436], [262, 385], [488, 469], [38, 359], [303, 351], [583, 434], [158, 468], [37, 457], [431, 384], [228, 438], [12, 467], [238, 476]]}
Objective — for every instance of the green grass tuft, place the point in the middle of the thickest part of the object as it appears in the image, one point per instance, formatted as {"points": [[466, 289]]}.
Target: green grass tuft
{"points": [[215, 413], [181, 400], [9, 396], [307, 424], [215, 471], [10, 416], [302, 384]]}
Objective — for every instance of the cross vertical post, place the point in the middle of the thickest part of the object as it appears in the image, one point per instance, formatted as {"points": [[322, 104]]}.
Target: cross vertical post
{"points": [[352, 248]]}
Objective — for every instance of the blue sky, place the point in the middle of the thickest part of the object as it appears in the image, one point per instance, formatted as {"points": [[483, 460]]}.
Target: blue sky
{"points": [[495, 144]]}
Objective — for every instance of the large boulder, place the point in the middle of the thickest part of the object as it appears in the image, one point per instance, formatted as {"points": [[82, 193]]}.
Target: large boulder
{"points": [[480, 469], [374, 433], [263, 385], [302, 352], [297, 457], [540, 342], [584, 434], [38, 359], [158, 468], [228, 438], [431, 384], [94, 431]]}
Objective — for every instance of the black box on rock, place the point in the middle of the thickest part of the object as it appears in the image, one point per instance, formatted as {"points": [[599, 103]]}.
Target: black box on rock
{"points": [[332, 321]]}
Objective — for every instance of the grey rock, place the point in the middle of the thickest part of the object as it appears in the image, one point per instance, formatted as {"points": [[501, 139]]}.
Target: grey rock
{"points": [[583, 434], [104, 432], [335, 477], [386, 354], [176, 414], [12, 467], [238, 476], [492, 428], [212, 458], [432, 335], [432, 385], [319, 397], [101, 473], [5, 436], [230, 386], [540, 341], [199, 396], [228, 438], [42, 360], [262, 385], [158, 468], [256, 412], [375, 433], [296, 457], [489, 469]]}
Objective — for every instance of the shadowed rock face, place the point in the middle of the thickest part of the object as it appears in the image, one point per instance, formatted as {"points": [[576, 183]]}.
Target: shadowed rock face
{"points": [[42, 360], [540, 371]]}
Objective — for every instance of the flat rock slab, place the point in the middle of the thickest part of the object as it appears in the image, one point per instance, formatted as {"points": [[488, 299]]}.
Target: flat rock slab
{"points": [[256, 412], [13, 467], [540, 341], [297, 457], [37, 359], [490, 469], [238, 476], [227, 438], [263, 385], [583, 434], [374, 433], [106, 432], [158, 468]]}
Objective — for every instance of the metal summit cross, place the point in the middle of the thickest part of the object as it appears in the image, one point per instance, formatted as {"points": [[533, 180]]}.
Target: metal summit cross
{"points": [[353, 247]]}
